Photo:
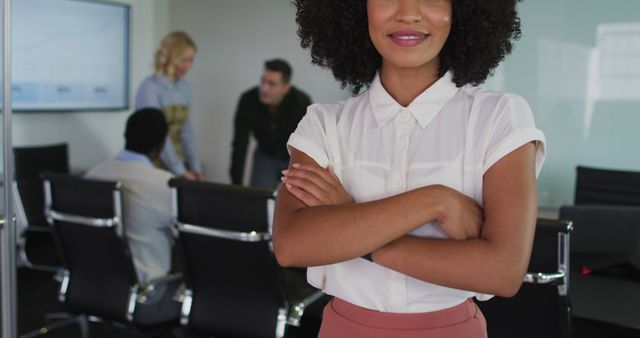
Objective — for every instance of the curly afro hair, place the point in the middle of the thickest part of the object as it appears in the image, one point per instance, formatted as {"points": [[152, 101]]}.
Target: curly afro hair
{"points": [[336, 31]]}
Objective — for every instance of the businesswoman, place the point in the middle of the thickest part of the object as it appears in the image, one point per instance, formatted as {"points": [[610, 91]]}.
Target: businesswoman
{"points": [[169, 91], [418, 194]]}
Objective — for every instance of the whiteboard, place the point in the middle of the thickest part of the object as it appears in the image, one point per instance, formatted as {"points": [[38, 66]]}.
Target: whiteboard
{"points": [[70, 55]]}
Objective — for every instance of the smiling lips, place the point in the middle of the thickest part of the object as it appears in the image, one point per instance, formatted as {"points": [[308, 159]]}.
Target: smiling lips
{"points": [[408, 38]]}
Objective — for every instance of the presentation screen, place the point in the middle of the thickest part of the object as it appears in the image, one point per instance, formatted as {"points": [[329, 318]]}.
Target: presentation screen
{"points": [[70, 55]]}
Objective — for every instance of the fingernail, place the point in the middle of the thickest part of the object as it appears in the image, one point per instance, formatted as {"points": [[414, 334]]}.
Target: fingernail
{"points": [[295, 165], [283, 178], [289, 186], [284, 172]]}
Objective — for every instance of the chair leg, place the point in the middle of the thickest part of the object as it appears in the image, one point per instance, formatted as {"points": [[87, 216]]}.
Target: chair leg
{"points": [[56, 326], [119, 330], [83, 324], [57, 316]]}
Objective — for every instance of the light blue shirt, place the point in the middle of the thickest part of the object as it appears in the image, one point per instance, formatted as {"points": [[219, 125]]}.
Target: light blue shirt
{"points": [[158, 92], [147, 210]]}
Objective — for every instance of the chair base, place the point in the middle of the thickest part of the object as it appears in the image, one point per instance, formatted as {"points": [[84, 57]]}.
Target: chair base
{"points": [[81, 320]]}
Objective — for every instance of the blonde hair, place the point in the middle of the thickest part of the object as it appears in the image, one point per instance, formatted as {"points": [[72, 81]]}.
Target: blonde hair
{"points": [[171, 50]]}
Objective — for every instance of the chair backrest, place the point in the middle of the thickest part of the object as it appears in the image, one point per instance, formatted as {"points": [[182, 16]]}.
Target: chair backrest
{"points": [[30, 162], [541, 306], [87, 219], [607, 187], [601, 229], [229, 269]]}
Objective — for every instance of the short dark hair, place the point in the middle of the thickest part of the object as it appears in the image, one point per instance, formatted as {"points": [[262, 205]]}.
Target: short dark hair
{"points": [[336, 31], [146, 130], [281, 66]]}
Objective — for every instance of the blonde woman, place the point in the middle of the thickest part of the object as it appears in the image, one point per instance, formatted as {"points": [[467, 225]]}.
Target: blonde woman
{"points": [[169, 91]]}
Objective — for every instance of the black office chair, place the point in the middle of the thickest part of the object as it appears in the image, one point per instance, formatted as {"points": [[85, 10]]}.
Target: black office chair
{"points": [[36, 248], [98, 282], [607, 187], [605, 256], [603, 230], [234, 287], [541, 308]]}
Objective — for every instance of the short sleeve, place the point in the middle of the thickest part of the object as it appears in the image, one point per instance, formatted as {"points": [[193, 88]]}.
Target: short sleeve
{"points": [[310, 136], [512, 127]]}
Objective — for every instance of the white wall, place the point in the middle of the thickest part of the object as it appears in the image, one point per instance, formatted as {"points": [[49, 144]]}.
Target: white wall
{"points": [[95, 136], [234, 38]]}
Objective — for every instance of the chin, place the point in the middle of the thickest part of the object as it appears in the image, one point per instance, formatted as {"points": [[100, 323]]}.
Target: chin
{"points": [[413, 60], [412, 57]]}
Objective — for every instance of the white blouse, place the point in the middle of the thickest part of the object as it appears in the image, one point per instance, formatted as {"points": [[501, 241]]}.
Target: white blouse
{"points": [[447, 135]]}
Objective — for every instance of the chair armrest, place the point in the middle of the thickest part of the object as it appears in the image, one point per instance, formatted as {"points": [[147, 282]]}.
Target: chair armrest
{"points": [[62, 276], [297, 310], [144, 290], [181, 293], [544, 278], [37, 228], [162, 279], [555, 225]]}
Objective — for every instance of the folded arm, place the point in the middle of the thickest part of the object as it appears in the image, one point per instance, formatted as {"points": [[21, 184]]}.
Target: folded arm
{"points": [[496, 262], [326, 234]]}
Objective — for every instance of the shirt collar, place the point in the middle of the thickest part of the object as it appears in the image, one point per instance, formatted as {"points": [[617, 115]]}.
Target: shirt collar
{"points": [[423, 108], [127, 155]]}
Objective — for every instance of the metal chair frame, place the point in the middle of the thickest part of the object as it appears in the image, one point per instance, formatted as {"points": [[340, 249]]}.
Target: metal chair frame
{"points": [[286, 316]]}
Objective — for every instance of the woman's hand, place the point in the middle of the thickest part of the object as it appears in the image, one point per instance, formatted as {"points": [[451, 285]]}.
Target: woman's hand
{"points": [[314, 185], [198, 175], [459, 215], [192, 176]]}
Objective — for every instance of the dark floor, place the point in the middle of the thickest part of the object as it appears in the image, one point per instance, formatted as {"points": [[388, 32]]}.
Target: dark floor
{"points": [[583, 328], [37, 296]]}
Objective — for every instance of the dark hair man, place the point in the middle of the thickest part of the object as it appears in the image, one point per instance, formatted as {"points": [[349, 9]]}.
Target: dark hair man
{"points": [[147, 208], [271, 112]]}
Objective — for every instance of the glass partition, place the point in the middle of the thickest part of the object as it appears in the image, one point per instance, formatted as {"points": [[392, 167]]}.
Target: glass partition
{"points": [[578, 66], [7, 230]]}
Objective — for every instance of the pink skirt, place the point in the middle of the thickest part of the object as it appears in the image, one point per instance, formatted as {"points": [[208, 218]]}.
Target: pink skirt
{"points": [[345, 320]]}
